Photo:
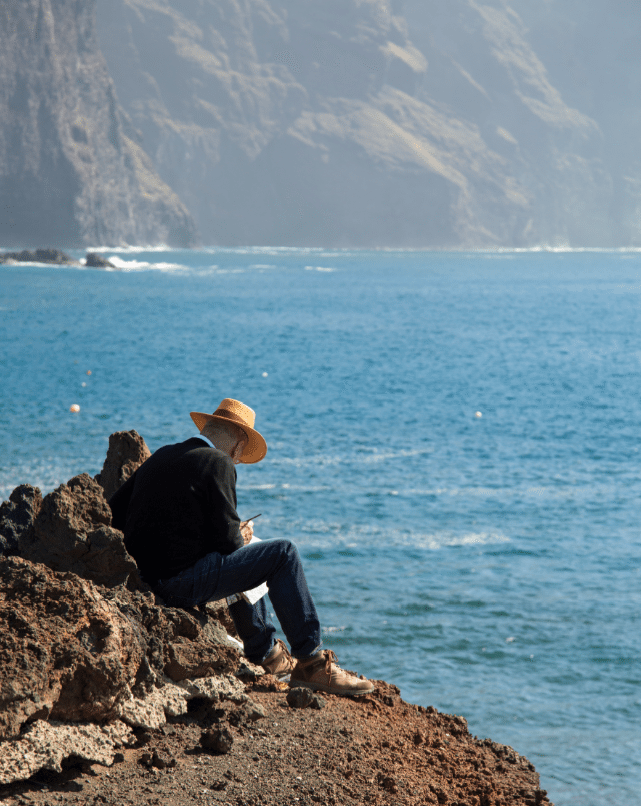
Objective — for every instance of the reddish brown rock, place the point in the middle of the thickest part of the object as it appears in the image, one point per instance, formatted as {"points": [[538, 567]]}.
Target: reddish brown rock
{"points": [[127, 451], [73, 532], [65, 652], [71, 650]]}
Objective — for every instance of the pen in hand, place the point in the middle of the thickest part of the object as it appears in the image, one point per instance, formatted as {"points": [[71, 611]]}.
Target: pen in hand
{"points": [[248, 536]]}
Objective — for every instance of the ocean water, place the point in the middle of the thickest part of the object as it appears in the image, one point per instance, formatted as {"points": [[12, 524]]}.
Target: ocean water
{"points": [[488, 565]]}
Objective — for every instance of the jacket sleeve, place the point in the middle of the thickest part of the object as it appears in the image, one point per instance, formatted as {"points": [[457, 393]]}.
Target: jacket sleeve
{"points": [[119, 503], [224, 523]]}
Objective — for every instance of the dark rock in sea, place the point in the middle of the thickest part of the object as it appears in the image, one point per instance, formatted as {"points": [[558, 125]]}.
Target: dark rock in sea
{"points": [[96, 261], [54, 256], [72, 170], [127, 451], [17, 516]]}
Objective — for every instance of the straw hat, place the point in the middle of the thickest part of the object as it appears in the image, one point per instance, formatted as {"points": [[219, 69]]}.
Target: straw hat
{"points": [[233, 411]]}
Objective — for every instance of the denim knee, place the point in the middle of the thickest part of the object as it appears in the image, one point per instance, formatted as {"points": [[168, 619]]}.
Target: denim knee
{"points": [[288, 550]]}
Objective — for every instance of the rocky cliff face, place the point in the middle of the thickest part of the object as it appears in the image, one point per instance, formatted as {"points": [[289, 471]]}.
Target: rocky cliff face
{"points": [[496, 65], [591, 51], [342, 123], [356, 123], [69, 172]]}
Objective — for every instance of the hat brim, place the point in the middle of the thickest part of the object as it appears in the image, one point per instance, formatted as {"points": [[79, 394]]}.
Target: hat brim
{"points": [[256, 447]]}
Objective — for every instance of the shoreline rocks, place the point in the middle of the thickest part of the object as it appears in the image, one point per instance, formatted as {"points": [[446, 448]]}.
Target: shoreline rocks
{"points": [[54, 257], [95, 665]]}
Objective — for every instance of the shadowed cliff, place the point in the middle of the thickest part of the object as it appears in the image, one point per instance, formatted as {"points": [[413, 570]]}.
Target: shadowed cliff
{"points": [[69, 174]]}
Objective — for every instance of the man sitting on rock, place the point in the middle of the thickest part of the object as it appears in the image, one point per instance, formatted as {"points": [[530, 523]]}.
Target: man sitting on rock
{"points": [[178, 514]]}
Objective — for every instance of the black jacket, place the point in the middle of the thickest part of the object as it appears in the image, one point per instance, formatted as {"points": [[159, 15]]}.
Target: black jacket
{"points": [[178, 506]]}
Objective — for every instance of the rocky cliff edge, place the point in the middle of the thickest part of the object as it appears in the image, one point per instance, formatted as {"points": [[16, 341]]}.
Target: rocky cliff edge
{"points": [[108, 696]]}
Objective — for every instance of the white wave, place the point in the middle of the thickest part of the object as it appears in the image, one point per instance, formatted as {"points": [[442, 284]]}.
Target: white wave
{"points": [[138, 265], [562, 249], [263, 266], [270, 251], [318, 268], [312, 532], [323, 459], [132, 250], [301, 488], [33, 263], [446, 539]]}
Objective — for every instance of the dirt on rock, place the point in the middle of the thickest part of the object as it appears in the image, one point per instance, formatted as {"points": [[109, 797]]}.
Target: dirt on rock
{"points": [[375, 749]]}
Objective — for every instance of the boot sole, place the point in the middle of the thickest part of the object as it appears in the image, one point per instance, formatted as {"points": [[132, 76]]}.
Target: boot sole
{"points": [[329, 689]]}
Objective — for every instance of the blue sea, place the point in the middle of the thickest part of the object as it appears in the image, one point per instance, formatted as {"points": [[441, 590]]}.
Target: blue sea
{"points": [[454, 444]]}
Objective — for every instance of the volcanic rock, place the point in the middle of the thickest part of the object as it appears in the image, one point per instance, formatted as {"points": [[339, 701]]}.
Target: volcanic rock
{"points": [[95, 261], [65, 651], [54, 256], [45, 745], [17, 516], [73, 532], [127, 451], [304, 698], [218, 740], [73, 651]]}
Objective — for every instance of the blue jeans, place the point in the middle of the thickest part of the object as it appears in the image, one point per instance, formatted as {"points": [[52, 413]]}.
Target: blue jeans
{"points": [[276, 562]]}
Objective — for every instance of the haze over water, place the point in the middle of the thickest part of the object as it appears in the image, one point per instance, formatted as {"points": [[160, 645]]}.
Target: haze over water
{"points": [[489, 566]]}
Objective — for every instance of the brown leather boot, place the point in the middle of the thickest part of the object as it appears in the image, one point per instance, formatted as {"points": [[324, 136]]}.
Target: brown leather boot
{"points": [[321, 672], [279, 662]]}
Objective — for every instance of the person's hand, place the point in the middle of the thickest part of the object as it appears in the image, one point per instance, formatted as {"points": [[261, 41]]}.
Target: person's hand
{"points": [[247, 531]]}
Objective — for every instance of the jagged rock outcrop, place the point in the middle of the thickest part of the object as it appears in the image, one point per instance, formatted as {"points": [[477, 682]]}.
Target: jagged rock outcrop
{"points": [[44, 746], [127, 451], [75, 651], [359, 123], [70, 172], [73, 532], [66, 653], [81, 637], [17, 516], [88, 670]]}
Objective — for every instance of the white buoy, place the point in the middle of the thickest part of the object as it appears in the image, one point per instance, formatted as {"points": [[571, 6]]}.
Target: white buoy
{"points": [[265, 374], [477, 414], [74, 408]]}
